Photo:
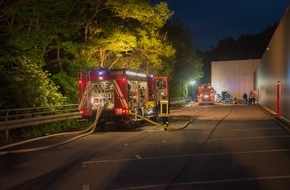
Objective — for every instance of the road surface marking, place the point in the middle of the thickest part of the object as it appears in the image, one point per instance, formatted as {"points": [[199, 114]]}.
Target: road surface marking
{"points": [[86, 187], [206, 182], [233, 180], [213, 139], [138, 156], [185, 155], [244, 138]]}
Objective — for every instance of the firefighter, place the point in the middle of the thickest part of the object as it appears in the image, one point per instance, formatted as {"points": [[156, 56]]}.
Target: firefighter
{"points": [[245, 98], [251, 99]]}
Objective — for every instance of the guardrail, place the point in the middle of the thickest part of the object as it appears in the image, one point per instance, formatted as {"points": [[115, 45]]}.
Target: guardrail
{"points": [[178, 101], [17, 118]]}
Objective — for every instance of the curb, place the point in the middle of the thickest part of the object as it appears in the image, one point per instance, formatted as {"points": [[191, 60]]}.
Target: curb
{"points": [[280, 120]]}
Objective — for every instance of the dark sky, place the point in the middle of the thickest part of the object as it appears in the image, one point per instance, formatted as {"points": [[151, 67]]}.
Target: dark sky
{"points": [[211, 20]]}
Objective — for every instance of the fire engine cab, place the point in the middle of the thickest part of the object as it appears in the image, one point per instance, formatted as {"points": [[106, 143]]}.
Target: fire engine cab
{"points": [[206, 94], [123, 91]]}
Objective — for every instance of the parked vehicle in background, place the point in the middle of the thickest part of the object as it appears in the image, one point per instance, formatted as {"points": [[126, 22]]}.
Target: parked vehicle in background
{"points": [[206, 94]]}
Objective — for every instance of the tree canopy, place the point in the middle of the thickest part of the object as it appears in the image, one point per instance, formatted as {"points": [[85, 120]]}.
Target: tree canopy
{"points": [[57, 38], [188, 65], [247, 46]]}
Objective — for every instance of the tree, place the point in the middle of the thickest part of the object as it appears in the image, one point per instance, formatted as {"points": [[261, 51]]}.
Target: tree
{"points": [[64, 36], [188, 64], [26, 84], [247, 46], [130, 25]]}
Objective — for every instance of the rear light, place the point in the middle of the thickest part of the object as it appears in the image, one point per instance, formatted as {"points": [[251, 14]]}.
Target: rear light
{"points": [[121, 111], [82, 112], [123, 79]]}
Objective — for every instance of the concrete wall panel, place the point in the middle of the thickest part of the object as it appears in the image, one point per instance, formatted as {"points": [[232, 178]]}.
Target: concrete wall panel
{"points": [[236, 77], [274, 67]]}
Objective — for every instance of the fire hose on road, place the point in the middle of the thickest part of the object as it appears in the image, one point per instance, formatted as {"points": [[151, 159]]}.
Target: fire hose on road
{"points": [[160, 125], [99, 108]]}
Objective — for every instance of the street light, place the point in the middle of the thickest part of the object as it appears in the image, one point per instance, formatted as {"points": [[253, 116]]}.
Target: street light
{"points": [[192, 90], [192, 82]]}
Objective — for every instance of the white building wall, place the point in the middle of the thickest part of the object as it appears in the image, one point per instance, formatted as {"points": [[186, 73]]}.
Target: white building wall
{"points": [[236, 77], [274, 67]]}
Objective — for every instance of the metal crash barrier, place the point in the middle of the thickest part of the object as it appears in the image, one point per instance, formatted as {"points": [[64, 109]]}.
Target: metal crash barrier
{"points": [[81, 134], [24, 117]]}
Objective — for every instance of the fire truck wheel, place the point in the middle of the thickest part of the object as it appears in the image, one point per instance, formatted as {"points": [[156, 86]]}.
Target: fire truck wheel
{"points": [[119, 123], [101, 125], [154, 118]]}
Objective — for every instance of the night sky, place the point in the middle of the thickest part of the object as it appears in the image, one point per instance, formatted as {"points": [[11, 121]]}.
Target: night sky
{"points": [[211, 20]]}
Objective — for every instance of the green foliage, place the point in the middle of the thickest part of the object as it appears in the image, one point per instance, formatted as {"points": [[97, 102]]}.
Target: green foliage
{"points": [[47, 38], [247, 46], [28, 86], [141, 10], [68, 86], [188, 64], [132, 25]]}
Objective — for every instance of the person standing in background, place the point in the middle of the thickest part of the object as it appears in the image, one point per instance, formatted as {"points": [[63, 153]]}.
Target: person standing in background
{"points": [[251, 96], [245, 98]]}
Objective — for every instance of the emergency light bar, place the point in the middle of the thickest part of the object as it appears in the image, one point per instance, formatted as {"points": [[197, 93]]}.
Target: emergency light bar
{"points": [[141, 75], [132, 73]]}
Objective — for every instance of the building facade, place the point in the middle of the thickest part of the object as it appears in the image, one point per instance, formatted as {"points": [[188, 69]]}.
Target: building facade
{"points": [[274, 68], [235, 77]]}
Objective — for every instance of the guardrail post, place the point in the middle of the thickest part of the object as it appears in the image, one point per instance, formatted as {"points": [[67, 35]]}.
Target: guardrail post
{"points": [[7, 135], [6, 131]]}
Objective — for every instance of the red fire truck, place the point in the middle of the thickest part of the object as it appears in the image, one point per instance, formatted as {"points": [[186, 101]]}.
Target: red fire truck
{"points": [[123, 91], [206, 94], [158, 97]]}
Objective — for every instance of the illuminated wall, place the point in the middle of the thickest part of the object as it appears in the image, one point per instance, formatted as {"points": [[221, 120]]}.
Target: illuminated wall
{"points": [[274, 67], [236, 77]]}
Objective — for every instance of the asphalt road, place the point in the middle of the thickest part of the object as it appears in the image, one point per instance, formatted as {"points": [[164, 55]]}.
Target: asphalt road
{"points": [[226, 147]]}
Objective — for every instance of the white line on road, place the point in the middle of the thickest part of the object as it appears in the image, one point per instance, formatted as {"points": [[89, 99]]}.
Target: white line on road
{"points": [[270, 122], [245, 138], [86, 187], [213, 139], [234, 180], [251, 129], [185, 155], [207, 182], [138, 156]]}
